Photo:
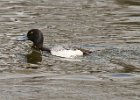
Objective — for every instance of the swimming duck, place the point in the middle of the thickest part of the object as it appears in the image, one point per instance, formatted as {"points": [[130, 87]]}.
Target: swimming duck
{"points": [[36, 36]]}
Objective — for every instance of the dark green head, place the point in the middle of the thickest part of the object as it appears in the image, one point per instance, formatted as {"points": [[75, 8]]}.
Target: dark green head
{"points": [[36, 36]]}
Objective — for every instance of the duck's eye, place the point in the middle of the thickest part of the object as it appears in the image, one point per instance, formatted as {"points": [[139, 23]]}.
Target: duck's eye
{"points": [[31, 32]]}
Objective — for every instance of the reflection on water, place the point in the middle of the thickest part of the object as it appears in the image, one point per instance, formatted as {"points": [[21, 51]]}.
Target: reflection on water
{"points": [[122, 75], [127, 68], [129, 2], [34, 57]]}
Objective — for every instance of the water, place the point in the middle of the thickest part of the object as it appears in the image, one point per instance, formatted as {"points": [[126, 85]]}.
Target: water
{"points": [[110, 28]]}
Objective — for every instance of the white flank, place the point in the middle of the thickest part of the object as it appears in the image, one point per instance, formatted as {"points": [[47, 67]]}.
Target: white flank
{"points": [[66, 53]]}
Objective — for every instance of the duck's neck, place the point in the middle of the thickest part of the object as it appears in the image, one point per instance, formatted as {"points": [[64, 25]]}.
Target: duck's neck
{"points": [[40, 47], [45, 49]]}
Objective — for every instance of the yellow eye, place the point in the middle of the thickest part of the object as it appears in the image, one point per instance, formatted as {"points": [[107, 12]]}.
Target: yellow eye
{"points": [[31, 32]]}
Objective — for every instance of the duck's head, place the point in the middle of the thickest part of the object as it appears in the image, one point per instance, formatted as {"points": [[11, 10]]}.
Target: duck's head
{"points": [[36, 36]]}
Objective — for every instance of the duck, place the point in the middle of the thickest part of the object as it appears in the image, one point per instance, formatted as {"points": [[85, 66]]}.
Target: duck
{"points": [[36, 36]]}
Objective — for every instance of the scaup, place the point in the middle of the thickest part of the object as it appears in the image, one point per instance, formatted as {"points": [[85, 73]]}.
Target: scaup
{"points": [[36, 36]]}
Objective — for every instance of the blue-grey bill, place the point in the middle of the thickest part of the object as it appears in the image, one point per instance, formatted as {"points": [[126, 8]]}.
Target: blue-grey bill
{"points": [[22, 38]]}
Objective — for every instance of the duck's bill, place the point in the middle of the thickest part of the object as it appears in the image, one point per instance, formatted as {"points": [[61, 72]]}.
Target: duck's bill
{"points": [[22, 38]]}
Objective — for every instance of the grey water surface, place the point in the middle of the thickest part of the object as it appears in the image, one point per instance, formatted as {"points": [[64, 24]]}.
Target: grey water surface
{"points": [[109, 28]]}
